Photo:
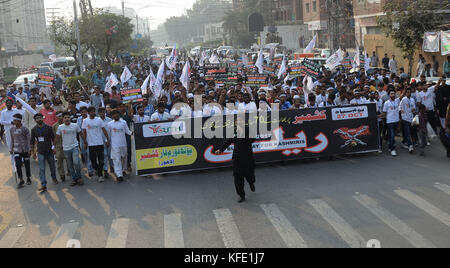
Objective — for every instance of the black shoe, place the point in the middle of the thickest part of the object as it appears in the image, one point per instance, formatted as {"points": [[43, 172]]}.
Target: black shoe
{"points": [[124, 173], [21, 184], [241, 199], [120, 179], [75, 183], [106, 176], [55, 181], [91, 175], [252, 187], [43, 189], [63, 179], [28, 181]]}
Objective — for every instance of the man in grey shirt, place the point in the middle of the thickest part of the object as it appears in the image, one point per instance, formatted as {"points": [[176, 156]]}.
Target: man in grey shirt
{"points": [[97, 99], [374, 60]]}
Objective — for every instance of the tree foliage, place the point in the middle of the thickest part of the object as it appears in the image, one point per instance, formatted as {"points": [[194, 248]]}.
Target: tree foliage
{"points": [[406, 23], [108, 33]]}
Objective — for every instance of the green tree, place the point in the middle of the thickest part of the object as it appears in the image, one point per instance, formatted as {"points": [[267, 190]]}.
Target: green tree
{"points": [[62, 33], [108, 33], [406, 23]]}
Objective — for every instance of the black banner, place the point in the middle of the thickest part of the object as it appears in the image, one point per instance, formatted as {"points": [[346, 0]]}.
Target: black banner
{"points": [[297, 134]]}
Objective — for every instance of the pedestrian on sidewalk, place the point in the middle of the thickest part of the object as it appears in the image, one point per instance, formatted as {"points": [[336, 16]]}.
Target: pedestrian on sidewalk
{"points": [[43, 136]]}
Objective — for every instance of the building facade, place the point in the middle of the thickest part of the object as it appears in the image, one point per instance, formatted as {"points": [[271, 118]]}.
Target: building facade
{"points": [[22, 25]]}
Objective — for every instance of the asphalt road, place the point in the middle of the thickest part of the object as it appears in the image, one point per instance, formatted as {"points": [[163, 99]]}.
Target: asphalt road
{"points": [[401, 202]]}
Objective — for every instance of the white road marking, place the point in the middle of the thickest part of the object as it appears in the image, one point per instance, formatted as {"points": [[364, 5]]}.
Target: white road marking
{"points": [[284, 228], [345, 231], [416, 239], [228, 229], [425, 206], [118, 234], [443, 187], [173, 231], [65, 233], [11, 237]]}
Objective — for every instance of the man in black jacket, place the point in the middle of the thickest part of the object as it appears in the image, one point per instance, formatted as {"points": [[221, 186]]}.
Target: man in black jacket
{"points": [[243, 161]]}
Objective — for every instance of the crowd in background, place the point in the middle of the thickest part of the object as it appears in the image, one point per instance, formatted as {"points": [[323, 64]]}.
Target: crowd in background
{"points": [[67, 128]]}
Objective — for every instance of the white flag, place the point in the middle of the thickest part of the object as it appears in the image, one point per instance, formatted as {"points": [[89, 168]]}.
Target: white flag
{"points": [[335, 60], [112, 81], [202, 59], [171, 61], [126, 75], [282, 68], [260, 62], [356, 59], [311, 45], [186, 75], [157, 86], [144, 86], [366, 61]]}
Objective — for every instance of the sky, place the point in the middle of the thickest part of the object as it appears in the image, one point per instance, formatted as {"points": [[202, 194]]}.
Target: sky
{"points": [[156, 11]]}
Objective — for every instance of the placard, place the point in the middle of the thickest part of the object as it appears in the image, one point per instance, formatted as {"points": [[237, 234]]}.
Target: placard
{"points": [[131, 95]]}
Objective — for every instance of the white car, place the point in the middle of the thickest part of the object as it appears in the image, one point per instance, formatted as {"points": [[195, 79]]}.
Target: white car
{"points": [[21, 79]]}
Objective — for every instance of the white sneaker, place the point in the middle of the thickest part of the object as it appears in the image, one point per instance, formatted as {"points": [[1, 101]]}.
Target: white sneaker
{"points": [[411, 149], [428, 144], [100, 179], [394, 153]]}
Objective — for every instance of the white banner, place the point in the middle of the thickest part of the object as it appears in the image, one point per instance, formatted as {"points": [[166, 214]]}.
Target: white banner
{"points": [[431, 42], [260, 62]]}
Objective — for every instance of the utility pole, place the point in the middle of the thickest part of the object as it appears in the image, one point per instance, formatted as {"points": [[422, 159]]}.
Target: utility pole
{"points": [[77, 31], [123, 8], [137, 24]]}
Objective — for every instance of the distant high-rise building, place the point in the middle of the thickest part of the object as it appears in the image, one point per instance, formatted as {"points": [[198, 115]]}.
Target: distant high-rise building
{"points": [[22, 23]]}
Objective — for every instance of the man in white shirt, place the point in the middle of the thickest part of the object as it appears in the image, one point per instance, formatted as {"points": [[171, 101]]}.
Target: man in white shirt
{"points": [[392, 114], [211, 108], [6, 119], [93, 127], [427, 97], [79, 102], [160, 114], [407, 110], [140, 117], [358, 99], [393, 65], [117, 129], [68, 133], [247, 106], [22, 95]]}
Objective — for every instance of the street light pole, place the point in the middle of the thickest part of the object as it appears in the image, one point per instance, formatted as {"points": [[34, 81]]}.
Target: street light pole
{"points": [[77, 31]]}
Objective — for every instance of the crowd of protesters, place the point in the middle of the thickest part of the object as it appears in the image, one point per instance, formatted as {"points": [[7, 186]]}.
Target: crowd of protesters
{"points": [[67, 128]]}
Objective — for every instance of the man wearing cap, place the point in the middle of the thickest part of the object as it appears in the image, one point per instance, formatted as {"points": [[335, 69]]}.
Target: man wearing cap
{"points": [[59, 153], [20, 148], [42, 134], [358, 99]]}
